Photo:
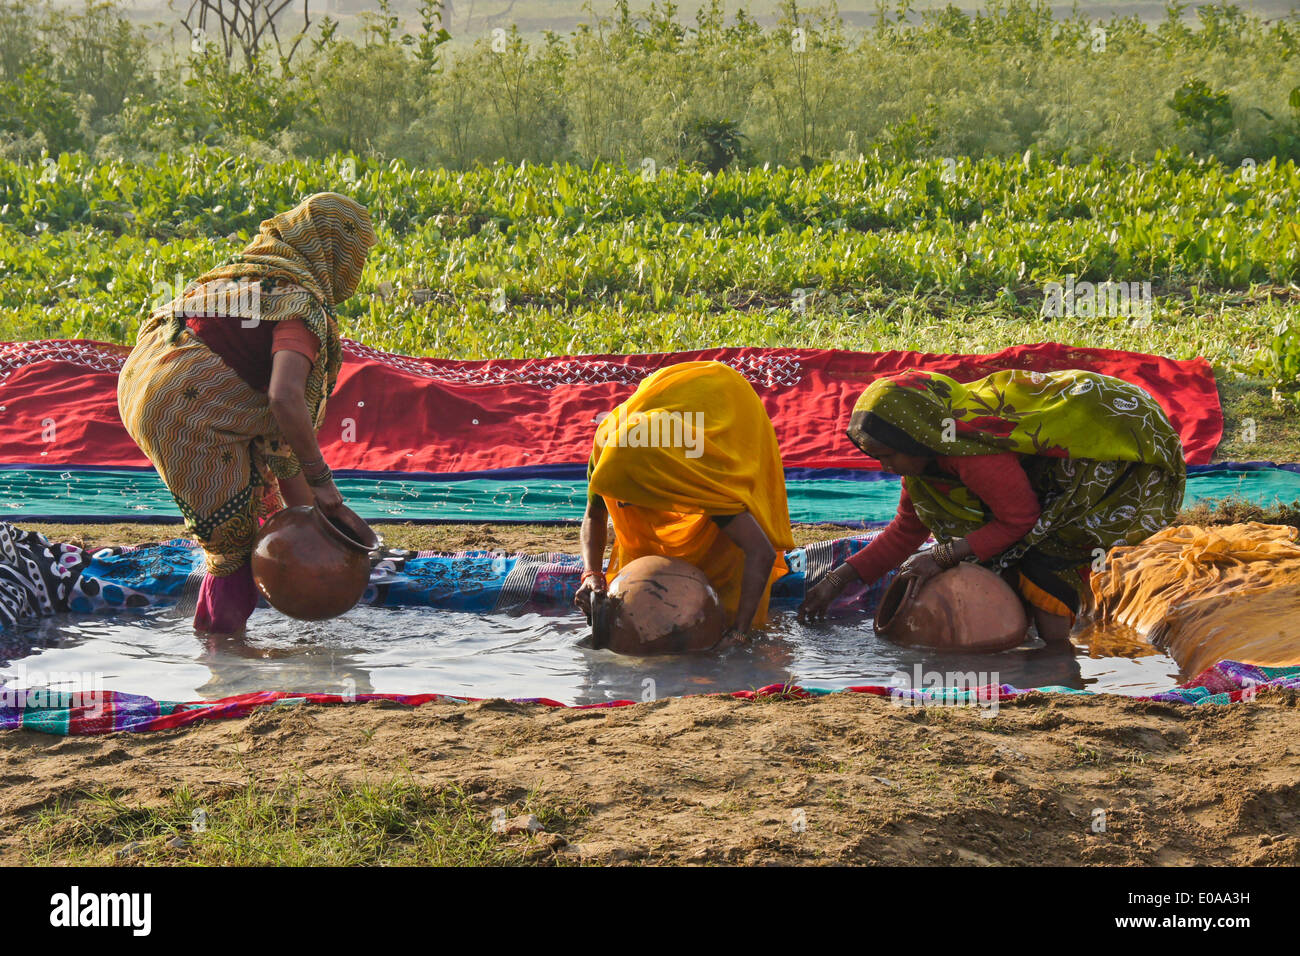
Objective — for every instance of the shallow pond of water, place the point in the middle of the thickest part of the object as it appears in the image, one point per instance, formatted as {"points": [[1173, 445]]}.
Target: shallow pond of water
{"points": [[416, 650]]}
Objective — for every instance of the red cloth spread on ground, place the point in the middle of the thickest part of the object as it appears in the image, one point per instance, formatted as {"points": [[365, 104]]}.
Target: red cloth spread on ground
{"points": [[58, 402]]}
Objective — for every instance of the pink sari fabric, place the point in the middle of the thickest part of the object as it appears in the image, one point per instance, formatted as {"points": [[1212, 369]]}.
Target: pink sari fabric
{"points": [[225, 604]]}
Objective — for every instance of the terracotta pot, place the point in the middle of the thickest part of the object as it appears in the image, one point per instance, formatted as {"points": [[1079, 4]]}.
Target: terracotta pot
{"points": [[966, 608], [311, 567], [658, 605]]}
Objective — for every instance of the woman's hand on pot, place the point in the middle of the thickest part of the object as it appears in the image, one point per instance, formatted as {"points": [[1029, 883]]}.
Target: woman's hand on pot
{"points": [[592, 583], [328, 498], [921, 566]]}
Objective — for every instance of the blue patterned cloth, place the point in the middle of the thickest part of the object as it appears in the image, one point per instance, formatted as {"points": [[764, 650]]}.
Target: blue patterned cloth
{"points": [[157, 575]]}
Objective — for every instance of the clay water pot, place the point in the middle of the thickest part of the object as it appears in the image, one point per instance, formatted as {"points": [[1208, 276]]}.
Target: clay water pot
{"points": [[966, 608], [311, 567], [658, 605]]}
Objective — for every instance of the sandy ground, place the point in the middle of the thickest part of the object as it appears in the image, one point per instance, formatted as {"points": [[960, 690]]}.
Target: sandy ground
{"points": [[841, 779]]}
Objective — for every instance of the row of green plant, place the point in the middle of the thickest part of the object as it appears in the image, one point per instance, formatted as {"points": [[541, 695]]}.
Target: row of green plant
{"points": [[207, 191], [629, 86], [564, 235]]}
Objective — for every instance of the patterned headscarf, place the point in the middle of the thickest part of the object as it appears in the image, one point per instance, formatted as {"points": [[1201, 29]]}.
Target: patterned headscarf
{"points": [[320, 244], [304, 262], [907, 413], [1064, 414]]}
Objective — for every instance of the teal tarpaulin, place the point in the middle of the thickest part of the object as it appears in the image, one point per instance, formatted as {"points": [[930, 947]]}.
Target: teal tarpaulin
{"points": [[34, 495]]}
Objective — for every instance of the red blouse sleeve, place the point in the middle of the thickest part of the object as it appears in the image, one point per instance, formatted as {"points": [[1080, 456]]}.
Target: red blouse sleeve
{"points": [[892, 546], [1001, 483], [292, 335]]}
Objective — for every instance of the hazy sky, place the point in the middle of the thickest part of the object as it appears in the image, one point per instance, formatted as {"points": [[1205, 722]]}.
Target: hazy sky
{"points": [[470, 18]]}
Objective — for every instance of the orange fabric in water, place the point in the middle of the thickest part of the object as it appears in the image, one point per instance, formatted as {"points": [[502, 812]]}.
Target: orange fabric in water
{"points": [[1208, 594]]}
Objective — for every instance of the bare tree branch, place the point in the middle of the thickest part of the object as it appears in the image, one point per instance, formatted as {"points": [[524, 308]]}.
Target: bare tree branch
{"points": [[247, 25]]}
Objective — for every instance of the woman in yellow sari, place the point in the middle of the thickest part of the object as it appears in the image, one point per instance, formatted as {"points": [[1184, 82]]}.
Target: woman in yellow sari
{"points": [[689, 468], [227, 385]]}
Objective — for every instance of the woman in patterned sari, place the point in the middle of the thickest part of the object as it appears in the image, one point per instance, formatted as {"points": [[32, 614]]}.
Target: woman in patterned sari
{"points": [[1034, 475], [227, 385]]}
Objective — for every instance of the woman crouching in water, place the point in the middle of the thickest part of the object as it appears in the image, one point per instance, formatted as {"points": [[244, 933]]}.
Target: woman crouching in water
{"points": [[1034, 475], [227, 385], [713, 495]]}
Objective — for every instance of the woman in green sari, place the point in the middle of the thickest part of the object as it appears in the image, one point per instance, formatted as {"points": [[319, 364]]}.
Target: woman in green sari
{"points": [[1035, 475]]}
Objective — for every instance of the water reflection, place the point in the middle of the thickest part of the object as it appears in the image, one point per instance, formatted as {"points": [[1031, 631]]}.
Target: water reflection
{"points": [[238, 665], [415, 650]]}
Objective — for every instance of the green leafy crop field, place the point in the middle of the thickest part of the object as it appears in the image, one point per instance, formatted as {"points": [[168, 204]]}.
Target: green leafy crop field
{"points": [[532, 260]]}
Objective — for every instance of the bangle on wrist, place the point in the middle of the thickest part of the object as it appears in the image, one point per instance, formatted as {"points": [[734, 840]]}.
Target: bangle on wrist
{"points": [[320, 478], [843, 575], [598, 575]]}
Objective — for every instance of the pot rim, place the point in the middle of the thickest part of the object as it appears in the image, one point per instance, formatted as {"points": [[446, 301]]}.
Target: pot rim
{"points": [[338, 534], [890, 607]]}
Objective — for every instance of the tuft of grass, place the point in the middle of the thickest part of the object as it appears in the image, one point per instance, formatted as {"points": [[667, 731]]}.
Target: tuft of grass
{"points": [[1237, 510], [1088, 755], [394, 822], [1258, 424]]}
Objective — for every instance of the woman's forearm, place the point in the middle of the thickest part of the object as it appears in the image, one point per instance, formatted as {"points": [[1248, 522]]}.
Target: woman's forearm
{"points": [[759, 554], [899, 539], [753, 584], [296, 491], [595, 531], [288, 401], [296, 427], [845, 574]]}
